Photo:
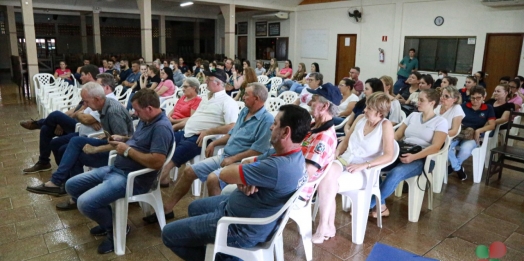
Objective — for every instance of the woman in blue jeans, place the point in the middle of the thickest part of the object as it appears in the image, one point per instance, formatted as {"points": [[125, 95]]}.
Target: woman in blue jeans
{"points": [[431, 139], [480, 117]]}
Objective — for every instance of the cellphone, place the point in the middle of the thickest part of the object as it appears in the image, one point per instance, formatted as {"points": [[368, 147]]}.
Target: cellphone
{"points": [[108, 136]]}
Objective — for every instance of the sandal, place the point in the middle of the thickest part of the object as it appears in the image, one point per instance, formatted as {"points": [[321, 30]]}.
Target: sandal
{"points": [[319, 239], [384, 213]]}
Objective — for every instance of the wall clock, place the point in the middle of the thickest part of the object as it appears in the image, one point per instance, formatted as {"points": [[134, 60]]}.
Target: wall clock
{"points": [[439, 20]]}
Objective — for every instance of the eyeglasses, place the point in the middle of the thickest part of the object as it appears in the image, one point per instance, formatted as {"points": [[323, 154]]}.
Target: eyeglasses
{"points": [[445, 96], [478, 98], [185, 86]]}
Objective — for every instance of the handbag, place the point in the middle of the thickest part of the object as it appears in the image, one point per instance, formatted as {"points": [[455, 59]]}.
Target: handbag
{"points": [[466, 133], [408, 148]]}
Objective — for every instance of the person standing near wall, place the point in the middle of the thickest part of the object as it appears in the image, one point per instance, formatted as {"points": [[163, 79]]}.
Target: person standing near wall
{"points": [[408, 65]]}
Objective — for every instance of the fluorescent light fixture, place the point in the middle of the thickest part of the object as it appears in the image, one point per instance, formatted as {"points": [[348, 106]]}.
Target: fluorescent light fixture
{"points": [[186, 4]]}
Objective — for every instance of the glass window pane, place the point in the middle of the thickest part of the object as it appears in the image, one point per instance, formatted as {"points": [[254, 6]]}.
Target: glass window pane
{"points": [[427, 54], [465, 56], [410, 43], [446, 54]]}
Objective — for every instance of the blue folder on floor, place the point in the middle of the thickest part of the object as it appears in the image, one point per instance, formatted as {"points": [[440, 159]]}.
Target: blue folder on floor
{"points": [[381, 252]]}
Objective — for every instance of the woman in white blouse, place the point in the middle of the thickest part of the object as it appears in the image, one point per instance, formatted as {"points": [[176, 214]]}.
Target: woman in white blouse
{"points": [[369, 143], [394, 114], [450, 109]]}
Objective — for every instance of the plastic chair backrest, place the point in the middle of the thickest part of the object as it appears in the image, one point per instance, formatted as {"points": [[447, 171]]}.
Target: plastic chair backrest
{"points": [[402, 118], [273, 104], [262, 79], [288, 96], [373, 174], [168, 104], [241, 105], [275, 82], [203, 89], [118, 90]]}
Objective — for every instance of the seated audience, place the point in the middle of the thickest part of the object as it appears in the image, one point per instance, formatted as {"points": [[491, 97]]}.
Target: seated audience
{"points": [[425, 82], [151, 79], [369, 143], [501, 106], [95, 190], [287, 71], [104, 67], [198, 63], [450, 109], [504, 80], [354, 73], [349, 99], [260, 70], [182, 66], [246, 64], [298, 77], [480, 117], [178, 76], [236, 79], [61, 124], [78, 74], [186, 105], [125, 71], [430, 140], [465, 92], [166, 87], [250, 137], [64, 73], [133, 77], [249, 77], [405, 92], [394, 112], [228, 65], [516, 97], [448, 81], [284, 173]]}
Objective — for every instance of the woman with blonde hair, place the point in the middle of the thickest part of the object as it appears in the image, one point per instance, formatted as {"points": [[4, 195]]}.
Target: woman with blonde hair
{"points": [[298, 77], [450, 109], [249, 77], [273, 68], [394, 113], [369, 143]]}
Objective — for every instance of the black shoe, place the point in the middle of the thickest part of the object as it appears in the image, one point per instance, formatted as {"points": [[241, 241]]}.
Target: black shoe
{"points": [[107, 246], [99, 231], [450, 170], [66, 206], [461, 174], [151, 219], [29, 124], [38, 167], [42, 189]]}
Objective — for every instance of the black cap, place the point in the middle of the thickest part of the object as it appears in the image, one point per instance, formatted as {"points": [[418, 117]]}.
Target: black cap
{"points": [[218, 73], [328, 91]]}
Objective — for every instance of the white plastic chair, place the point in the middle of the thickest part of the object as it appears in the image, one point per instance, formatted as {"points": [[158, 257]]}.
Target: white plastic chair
{"points": [[288, 96], [120, 206], [402, 118], [273, 104], [302, 216], [202, 90], [241, 105], [263, 79], [261, 252], [361, 199], [479, 157], [275, 82], [417, 186], [39, 80], [440, 172], [124, 98], [168, 104], [118, 90]]}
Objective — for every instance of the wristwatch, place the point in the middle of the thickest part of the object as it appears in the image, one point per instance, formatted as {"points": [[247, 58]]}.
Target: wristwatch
{"points": [[126, 152]]}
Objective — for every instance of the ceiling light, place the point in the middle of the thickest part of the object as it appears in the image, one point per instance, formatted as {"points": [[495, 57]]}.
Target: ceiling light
{"points": [[186, 4]]}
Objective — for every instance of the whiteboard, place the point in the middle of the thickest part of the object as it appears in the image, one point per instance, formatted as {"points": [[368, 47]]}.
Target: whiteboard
{"points": [[315, 43]]}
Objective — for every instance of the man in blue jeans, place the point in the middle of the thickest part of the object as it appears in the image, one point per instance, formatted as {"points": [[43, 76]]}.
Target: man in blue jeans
{"points": [[147, 148], [61, 124], [408, 65], [115, 120], [263, 188]]}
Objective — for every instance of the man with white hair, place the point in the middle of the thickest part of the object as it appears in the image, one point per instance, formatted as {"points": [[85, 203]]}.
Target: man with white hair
{"points": [[89, 151]]}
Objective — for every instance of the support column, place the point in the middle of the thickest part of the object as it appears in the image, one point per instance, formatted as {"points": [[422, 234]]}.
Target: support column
{"points": [[162, 36], [196, 36], [96, 32], [228, 11], [146, 28], [83, 32], [30, 39], [13, 37]]}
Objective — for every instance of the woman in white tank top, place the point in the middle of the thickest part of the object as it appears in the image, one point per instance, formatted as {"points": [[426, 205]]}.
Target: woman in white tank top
{"points": [[369, 143]]}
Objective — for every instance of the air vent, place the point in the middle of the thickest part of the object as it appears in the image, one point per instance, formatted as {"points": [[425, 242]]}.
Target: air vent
{"points": [[502, 3]]}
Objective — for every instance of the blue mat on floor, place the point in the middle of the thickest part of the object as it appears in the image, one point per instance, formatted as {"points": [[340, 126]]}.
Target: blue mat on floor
{"points": [[381, 252]]}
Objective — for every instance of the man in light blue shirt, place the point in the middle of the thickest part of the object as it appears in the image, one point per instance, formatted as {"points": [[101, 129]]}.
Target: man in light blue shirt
{"points": [[408, 65], [249, 137]]}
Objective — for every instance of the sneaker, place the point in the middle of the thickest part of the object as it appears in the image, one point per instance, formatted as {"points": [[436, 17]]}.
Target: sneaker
{"points": [[450, 170], [38, 167], [461, 174], [107, 245], [29, 124]]}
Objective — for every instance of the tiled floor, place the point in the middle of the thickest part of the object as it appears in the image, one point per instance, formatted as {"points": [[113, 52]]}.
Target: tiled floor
{"points": [[464, 214]]}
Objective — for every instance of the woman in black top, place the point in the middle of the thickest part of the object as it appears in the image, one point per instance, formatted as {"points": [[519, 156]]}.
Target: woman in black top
{"points": [[151, 79], [405, 92], [500, 104]]}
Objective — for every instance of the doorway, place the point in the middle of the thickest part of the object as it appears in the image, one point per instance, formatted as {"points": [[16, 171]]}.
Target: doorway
{"points": [[346, 52], [242, 47], [501, 58]]}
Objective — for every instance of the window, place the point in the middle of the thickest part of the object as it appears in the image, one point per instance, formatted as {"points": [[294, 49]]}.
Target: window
{"points": [[454, 54], [267, 48]]}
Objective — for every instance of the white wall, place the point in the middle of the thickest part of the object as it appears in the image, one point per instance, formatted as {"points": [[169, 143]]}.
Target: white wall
{"points": [[397, 19]]}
